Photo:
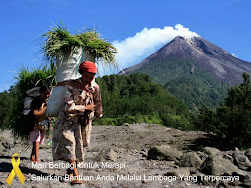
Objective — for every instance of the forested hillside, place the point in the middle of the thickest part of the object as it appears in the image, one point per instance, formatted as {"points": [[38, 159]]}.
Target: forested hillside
{"points": [[193, 88], [137, 95], [197, 92]]}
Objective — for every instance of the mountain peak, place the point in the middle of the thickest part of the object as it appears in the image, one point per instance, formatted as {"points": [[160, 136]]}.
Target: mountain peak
{"points": [[204, 55]]}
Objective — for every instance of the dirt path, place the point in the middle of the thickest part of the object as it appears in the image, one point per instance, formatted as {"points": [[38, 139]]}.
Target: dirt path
{"points": [[128, 165]]}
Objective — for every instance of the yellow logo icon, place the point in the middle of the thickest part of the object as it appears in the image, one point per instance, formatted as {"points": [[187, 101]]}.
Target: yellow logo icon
{"points": [[15, 170]]}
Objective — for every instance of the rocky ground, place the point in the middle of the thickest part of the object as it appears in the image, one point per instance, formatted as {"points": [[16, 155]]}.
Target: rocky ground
{"points": [[136, 155]]}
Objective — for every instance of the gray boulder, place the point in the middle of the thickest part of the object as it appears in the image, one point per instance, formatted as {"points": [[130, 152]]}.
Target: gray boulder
{"points": [[211, 151], [248, 153], [229, 157], [216, 165], [107, 154], [241, 160], [202, 155], [164, 153], [190, 159]]}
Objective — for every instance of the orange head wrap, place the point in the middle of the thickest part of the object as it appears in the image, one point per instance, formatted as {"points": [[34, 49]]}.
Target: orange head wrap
{"points": [[87, 66]]}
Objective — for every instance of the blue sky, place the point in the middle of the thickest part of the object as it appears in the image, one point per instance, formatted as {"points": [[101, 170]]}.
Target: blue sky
{"points": [[136, 27]]}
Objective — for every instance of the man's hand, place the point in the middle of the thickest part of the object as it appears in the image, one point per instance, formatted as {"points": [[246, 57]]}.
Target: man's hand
{"points": [[90, 107]]}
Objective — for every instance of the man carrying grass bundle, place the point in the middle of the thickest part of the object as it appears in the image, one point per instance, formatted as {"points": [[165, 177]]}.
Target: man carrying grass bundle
{"points": [[72, 131]]}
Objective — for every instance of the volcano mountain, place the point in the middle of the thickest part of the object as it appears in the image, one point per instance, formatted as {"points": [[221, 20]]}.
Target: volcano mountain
{"points": [[194, 70]]}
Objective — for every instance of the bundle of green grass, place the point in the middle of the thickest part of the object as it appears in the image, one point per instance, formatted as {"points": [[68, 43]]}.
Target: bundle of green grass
{"points": [[27, 78], [59, 40]]}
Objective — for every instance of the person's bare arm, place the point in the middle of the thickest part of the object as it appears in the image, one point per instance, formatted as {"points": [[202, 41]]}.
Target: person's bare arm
{"points": [[38, 113]]}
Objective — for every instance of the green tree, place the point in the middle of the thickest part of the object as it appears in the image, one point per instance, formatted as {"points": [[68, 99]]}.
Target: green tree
{"points": [[235, 114], [6, 106], [206, 120], [233, 117]]}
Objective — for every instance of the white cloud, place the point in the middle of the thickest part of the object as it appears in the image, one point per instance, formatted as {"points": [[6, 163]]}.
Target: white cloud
{"points": [[134, 49]]}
